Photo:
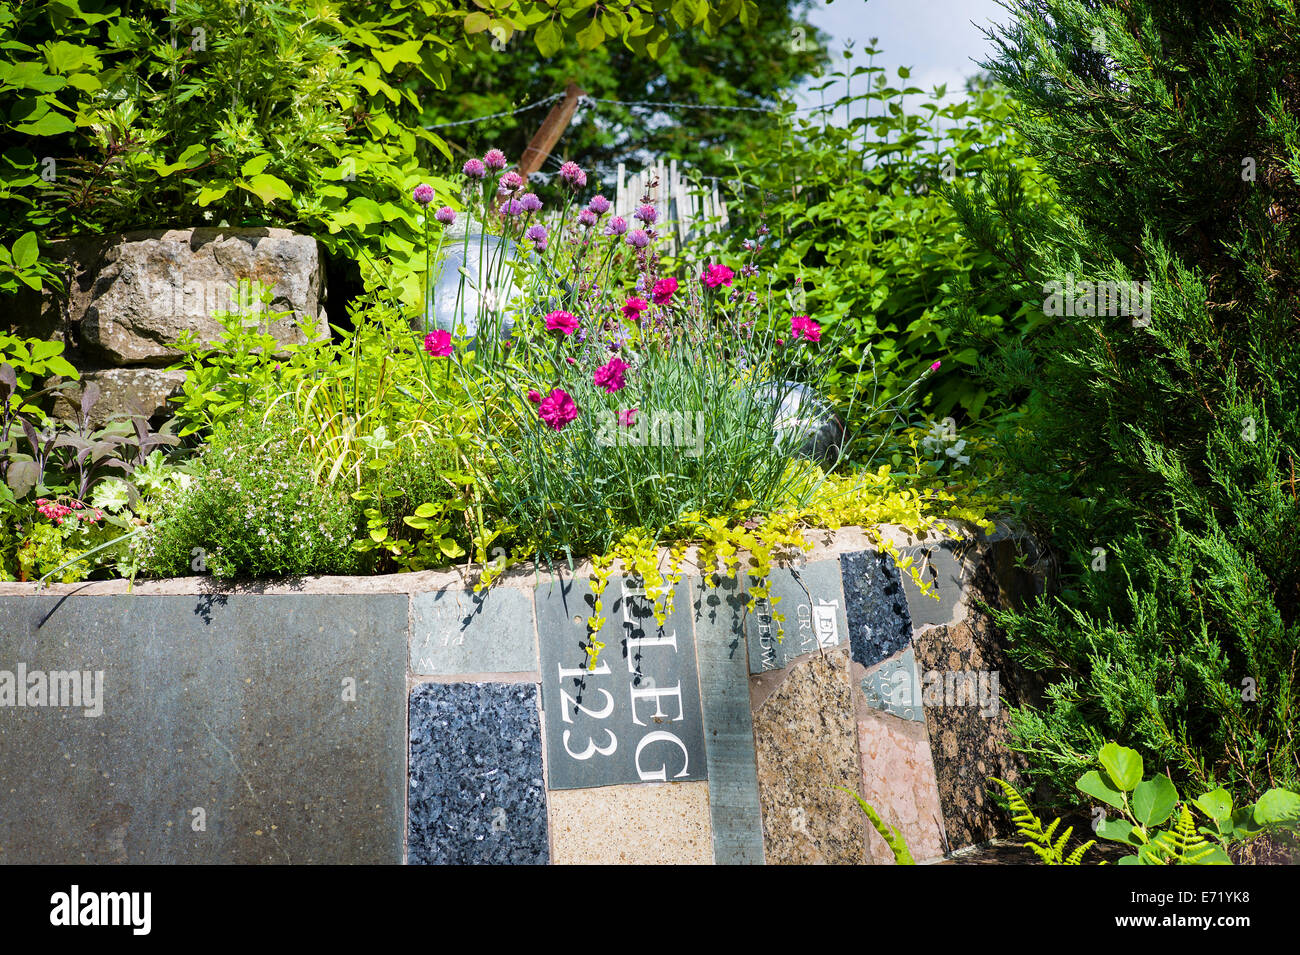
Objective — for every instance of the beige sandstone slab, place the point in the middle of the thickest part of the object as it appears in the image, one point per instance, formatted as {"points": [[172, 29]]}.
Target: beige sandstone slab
{"points": [[639, 824]]}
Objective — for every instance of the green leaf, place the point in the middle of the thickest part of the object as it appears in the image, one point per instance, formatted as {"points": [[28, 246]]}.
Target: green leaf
{"points": [[49, 124], [549, 38], [477, 22], [1093, 784], [1118, 830], [255, 165], [1217, 804], [26, 252], [428, 510], [1123, 765], [389, 57], [210, 194], [591, 36], [1154, 800], [1276, 807], [268, 188]]}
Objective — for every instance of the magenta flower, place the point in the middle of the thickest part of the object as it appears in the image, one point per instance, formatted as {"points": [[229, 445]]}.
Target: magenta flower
{"points": [[935, 366], [474, 168], [511, 182], [438, 344], [530, 202], [610, 375], [627, 418], [617, 226], [534, 396], [634, 308], [716, 275], [638, 238], [801, 326], [446, 215], [537, 236], [494, 159], [573, 175], [512, 207], [565, 322], [557, 409], [423, 194], [662, 291], [599, 205], [646, 214], [586, 218]]}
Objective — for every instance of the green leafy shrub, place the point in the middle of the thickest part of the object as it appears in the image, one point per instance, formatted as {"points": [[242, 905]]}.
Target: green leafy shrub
{"points": [[253, 508], [1159, 442]]}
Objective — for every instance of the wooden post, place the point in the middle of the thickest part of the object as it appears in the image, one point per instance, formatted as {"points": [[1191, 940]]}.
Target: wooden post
{"points": [[557, 120]]}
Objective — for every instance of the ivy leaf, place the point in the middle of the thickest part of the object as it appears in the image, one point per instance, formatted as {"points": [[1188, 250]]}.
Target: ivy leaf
{"points": [[408, 52], [266, 187]]}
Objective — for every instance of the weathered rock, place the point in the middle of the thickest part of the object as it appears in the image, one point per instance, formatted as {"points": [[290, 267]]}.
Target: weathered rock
{"points": [[131, 296], [124, 393]]}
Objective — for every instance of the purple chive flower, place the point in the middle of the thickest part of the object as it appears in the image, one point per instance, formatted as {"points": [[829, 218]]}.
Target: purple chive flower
{"points": [[537, 235], [474, 168], [638, 238], [586, 218], [423, 194], [494, 159], [617, 226], [598, 205], [512, 207], [530, 202], [573, 175], [511, 181], [763, 229], [646, 214], [446, 215]]}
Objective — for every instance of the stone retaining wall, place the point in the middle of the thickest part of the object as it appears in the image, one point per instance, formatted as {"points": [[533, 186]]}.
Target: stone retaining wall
{"points": [[404, 718]]}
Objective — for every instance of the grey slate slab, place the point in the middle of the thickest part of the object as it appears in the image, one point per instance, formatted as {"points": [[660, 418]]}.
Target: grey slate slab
{"points": [[456, 631], [728, 724], [477, 794], [941, 568], [636, 717], [813, 605], [895, 687], [879, 621], [226, 736]]}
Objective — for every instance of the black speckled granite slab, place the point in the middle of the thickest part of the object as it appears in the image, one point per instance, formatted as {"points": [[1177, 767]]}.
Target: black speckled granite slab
{"points": [[477, 793], [879, 622]]}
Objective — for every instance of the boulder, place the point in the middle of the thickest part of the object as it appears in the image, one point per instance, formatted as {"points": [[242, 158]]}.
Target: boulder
{"points": [[130, 296], [123, 393]]}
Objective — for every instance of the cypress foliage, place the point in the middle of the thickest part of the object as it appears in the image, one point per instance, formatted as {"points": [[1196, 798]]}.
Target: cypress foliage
{"points": [[1159, 451]]}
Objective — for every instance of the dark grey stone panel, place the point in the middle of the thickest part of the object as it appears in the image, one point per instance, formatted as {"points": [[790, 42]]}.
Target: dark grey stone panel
{"points": [[456, 631], [879, 622], [234, 729], [477, 794], [810, 599], [636, 717]]}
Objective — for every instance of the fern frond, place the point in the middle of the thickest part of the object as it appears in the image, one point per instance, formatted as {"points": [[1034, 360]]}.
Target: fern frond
{"points": [[1076, 857]]}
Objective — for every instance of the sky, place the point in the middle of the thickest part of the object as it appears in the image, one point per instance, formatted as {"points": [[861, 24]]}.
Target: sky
{"points": [[935, 39]]}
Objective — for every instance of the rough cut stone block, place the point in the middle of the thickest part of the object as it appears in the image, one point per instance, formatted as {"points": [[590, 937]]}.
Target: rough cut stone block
{"points": [[728, 724], [131, 295], [894, 687], [968, 684], [807, 745], [879, 622], [636, 717], [477, 794], [898, 782], [123, 393], [810, 599], [654, 824], [456, 631], [234, 729]]}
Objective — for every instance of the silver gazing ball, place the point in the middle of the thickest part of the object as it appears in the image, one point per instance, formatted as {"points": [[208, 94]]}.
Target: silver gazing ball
{"points": [[805, 418], [488, 288]]}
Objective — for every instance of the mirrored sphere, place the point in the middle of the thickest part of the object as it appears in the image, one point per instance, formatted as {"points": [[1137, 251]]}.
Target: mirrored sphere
{"points": [[487, 292], [804, 417]]}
